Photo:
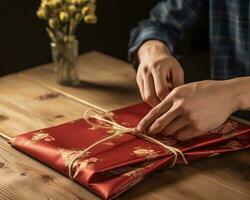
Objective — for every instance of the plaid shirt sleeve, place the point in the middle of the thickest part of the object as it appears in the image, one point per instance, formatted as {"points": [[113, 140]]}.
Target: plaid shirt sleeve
{"points": [[166, 23]]}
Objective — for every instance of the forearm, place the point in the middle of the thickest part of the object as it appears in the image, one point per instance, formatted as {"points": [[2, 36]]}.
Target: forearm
{"points": [[241, 92]]}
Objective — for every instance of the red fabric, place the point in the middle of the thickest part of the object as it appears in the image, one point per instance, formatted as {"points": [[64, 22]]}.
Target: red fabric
{"points": [[113, 167]]}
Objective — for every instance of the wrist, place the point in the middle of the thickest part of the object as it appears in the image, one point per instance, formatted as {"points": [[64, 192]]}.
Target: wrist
{"points": [[152, 47], [240, 88]]}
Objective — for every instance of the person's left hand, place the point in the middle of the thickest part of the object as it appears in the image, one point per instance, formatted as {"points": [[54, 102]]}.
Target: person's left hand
{"points": [[192, 109]]}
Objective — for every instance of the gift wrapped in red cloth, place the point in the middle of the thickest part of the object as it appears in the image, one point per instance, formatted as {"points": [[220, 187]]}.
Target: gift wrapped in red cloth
{"points": [[115, 165]]}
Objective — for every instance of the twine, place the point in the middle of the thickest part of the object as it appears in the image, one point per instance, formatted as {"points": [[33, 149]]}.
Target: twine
{"points": [[119, 130]]}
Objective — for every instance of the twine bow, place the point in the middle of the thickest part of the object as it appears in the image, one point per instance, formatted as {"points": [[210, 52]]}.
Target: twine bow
{"points": [[119, 130]]}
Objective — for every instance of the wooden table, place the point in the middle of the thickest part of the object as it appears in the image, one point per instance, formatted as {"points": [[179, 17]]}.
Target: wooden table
{"points": [[32, 99]]}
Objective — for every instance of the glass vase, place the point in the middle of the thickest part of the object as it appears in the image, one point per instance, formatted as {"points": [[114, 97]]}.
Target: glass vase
{"points": [[64, 57]]}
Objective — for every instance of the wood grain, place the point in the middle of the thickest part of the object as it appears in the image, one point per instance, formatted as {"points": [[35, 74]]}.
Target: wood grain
{"points": [[108, 83], [182, 182], [23, 178], [26, 106], [16, 121], [32, 100], [231, 170]]}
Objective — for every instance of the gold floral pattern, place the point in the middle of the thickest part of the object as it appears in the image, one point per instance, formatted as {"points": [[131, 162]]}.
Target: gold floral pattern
{"points": [[138, 172], [69, 154], [88, 163], [227, 130], [135, 172], [167, 140], [228, 135], [85, 164], [213, 154], [108, 115], [42, 136], [79, 164], [148, 153], [111, 117], [233, 144]]}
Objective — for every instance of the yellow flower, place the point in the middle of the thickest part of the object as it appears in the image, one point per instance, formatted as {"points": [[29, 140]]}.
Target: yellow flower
{"points": [[84, 1], [56, 3], [90, 19], [92, 8], [53, 23], [78, 2], [72, 9], [46, 4], [85, 10], [75, 2], [63, 16], [78, 17], [42, 13]]}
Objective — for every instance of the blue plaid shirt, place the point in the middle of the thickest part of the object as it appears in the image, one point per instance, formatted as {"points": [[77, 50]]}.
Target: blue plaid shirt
{"points": [[229, 22]]}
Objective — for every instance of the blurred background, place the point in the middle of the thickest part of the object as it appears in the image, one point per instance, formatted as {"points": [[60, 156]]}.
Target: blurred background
{"points": [[25, 44]]}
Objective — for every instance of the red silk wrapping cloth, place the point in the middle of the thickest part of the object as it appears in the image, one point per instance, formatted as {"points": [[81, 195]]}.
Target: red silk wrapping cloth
{"points": [[112, 167]]}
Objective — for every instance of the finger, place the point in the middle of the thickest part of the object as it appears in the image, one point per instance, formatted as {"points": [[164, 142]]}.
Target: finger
{"points": [[170, 86], [186, 133], [153, 114], [149, 90], [160, 83], [175, 126], [163, 121], [177, 75], [140, 85]]}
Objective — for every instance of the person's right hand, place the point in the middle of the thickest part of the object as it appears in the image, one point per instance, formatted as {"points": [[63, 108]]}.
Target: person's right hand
{"points": [[158, 72]]}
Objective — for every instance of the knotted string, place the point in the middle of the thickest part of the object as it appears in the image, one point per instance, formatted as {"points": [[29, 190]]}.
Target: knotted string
{"points": [[119, 130]]}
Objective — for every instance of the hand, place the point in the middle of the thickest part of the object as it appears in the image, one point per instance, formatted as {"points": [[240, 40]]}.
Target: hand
{"points": [[192, 109], [157, 71]]}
